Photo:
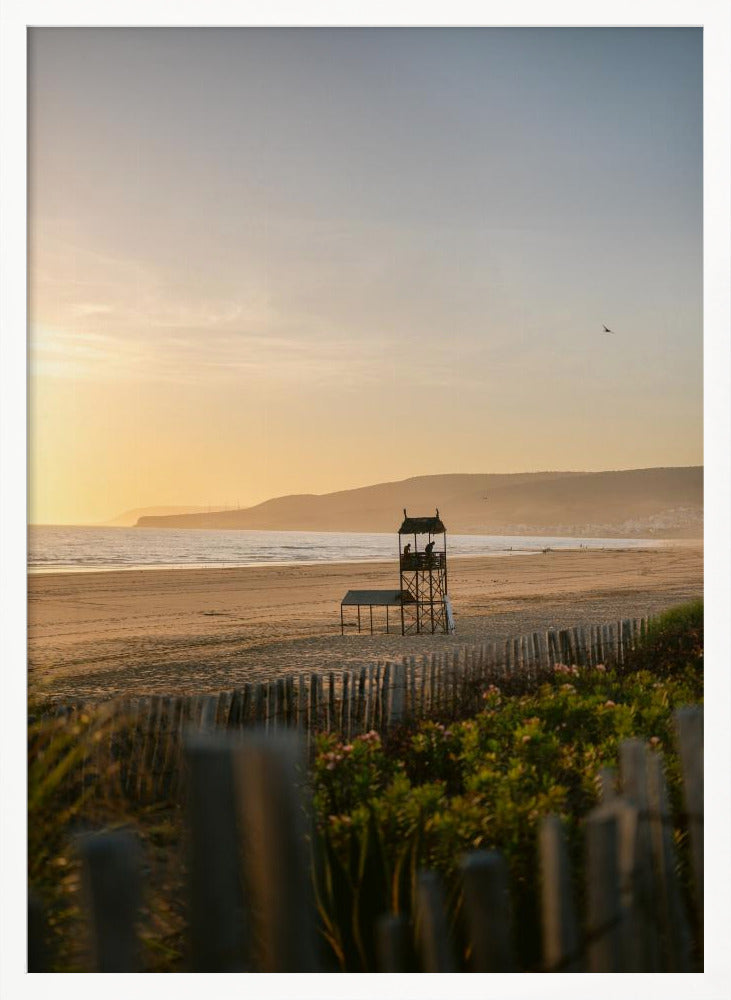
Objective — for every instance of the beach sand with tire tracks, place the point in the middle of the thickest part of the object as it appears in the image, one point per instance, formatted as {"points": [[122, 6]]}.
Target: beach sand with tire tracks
{"points": [[98, 635]]}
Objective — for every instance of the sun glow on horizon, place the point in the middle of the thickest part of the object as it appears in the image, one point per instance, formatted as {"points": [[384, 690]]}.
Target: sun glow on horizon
{"points": [[284, 277]]}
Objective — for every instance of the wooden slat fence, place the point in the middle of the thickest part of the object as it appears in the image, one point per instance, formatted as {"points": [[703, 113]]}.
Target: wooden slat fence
{"points": [[144, 737], [246, 791]]}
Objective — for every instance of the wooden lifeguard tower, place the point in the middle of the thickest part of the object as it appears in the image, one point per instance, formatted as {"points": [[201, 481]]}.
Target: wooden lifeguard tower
{"points": [[423, 567], [422, 597]]}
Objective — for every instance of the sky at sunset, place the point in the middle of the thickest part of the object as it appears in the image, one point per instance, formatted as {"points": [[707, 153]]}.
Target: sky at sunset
{"points": [[271, 261]]}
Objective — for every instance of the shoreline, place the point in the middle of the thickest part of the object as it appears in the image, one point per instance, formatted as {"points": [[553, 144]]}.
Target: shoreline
{"points": [[97, 635], [176, 567], [643, 545]]}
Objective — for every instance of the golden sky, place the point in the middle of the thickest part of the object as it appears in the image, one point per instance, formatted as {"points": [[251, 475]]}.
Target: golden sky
{"points": [[277, 261]]}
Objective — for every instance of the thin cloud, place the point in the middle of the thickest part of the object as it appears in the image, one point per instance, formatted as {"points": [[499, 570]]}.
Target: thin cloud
{"points": [[91, 308]]}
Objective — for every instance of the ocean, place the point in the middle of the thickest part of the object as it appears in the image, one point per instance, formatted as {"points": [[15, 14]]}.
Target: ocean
{"points": [[61, 548]]}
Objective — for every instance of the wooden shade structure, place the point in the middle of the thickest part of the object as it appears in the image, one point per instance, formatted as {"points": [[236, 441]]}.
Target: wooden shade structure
{"points": [[372, 599]]}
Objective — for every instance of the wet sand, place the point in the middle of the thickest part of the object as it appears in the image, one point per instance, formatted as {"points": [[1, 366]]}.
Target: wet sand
{"points": [[93, 636]]}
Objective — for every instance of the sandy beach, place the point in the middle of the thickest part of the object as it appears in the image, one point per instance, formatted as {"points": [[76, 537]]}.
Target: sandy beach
{"points": [[94, 636]]}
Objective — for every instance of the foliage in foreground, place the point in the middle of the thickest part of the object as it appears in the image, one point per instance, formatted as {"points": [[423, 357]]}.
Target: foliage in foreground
{"points": [[71, 791], [382, 810], [673, 644]]}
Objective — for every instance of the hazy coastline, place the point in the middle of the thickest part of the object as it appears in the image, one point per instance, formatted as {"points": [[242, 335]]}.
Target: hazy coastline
{"points": [[658, 502]]}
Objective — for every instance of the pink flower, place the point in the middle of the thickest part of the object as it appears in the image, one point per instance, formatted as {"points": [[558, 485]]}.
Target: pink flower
{"points": [[609, 704], [601, 668]]}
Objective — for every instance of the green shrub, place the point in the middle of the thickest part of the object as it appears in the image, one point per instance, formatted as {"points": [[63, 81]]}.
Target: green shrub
{"points": [[73, 787], [673, 644], [425, 798]]}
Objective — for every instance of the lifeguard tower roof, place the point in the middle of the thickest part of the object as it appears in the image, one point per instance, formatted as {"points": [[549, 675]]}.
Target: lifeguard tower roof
{"points": [[422, 525]]}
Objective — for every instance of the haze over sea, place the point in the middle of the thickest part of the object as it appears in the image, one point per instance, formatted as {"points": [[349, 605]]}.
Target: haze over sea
{"points": [[63, 548]]}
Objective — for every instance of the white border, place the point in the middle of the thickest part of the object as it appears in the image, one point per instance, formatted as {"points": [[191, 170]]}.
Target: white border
{"points": [[713, 15]]}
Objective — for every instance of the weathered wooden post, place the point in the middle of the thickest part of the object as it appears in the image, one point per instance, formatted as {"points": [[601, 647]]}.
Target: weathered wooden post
{"points": [[432, 682], [386, 695], [280, 711], [344, 703], [397, 698], [272, 705], [291, 702], [269, 772], [422, 696], [689, 729], [559, 924], [110, 880], [432, 933], [487, 909], [301, 702], [393, 944], [160, 746], [607, 784], [208, 714], [537, 653], [223, 708], [645, 953], [247, 705], [379, 713], [604, 914], [412, 687], [675, 930], [216, 923], [313, 719]]}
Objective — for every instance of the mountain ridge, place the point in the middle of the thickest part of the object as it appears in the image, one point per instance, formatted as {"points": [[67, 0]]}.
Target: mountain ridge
{"points": [[663, 502]]}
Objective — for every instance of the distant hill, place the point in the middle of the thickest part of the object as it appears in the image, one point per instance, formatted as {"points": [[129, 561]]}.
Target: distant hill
{"points": [[130, 517], [661, 503]]}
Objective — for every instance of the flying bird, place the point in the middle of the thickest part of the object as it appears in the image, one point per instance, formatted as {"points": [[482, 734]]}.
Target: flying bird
{"points": [[607, 330]]}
